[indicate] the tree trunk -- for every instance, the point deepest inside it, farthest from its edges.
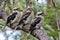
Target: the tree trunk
(48, 3)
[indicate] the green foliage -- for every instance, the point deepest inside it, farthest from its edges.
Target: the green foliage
(50, 20)
(51, 17)
(2, 22)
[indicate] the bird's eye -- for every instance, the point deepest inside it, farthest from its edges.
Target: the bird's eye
(39, 14)
(15, 12)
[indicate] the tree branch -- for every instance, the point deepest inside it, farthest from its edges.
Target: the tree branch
(3, 15)
(38, 33)
(57, 17)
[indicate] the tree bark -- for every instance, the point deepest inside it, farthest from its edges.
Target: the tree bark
(3, 14)
(48, 3)
(38, 33)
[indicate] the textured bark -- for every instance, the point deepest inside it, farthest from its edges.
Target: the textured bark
(48, 3)
(3, 15)
(38, 33)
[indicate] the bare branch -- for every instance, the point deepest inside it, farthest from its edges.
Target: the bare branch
(38, 33)
(57, 16)
(3, 15)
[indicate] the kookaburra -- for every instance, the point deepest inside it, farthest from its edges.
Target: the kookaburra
(29, 19)
(25, 16)
(14, 17)
(36, 23)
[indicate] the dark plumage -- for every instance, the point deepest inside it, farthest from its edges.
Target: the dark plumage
(24, 17)
(11, 17)
(36, 21)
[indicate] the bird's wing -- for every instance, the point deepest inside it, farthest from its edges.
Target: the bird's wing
(30, 18)
(36, 21)
(10, 17)
(25, 16)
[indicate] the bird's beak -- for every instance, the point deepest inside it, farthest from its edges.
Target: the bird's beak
(44, 15)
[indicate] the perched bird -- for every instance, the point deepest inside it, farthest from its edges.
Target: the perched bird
(18, 16)
(29, 19)
(12, 18)
(25, 16)
(36, 23)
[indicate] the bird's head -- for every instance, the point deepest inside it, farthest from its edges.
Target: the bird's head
(16, 10)
(40, 14)
(29, 10)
